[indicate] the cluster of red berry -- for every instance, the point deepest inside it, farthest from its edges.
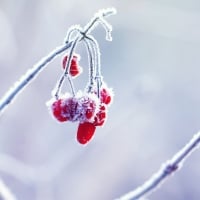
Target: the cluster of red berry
(87, 108)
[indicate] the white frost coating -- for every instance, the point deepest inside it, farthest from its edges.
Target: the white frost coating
(88, 102)
(82, 107)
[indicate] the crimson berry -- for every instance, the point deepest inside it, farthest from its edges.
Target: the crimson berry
(100, 117)
(57, 109)
(106, 95)
(90, 110)
(75, 69)
(85, 132)
(88, 107)
(70, 108)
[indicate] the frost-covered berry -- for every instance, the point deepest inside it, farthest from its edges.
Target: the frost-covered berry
(100, 117)
(58, 111)
(106, 95)
(65, 109)
(70, 108)
(75, 69)
(85, 132)
(88, 107)
(82, 107)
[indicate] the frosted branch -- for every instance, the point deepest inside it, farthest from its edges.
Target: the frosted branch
(30, 75)
(33, 72)
(165, 171)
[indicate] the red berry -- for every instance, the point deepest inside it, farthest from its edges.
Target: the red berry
(57, 109)
(106, 95)
(74, 60)
(85, 132)
(100, 117)
(75, 69)
(88, 107)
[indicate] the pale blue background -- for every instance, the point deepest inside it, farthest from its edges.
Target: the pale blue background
(153, 66)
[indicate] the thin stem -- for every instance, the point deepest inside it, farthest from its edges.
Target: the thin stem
(166, 169)
(71, 31)
(92, 63)
(98, 76)
(100, 14)
(67, 68)
(83, 34)
(29, 75)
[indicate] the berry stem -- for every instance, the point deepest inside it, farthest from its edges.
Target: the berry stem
(38, 67)
(67, 68)
(91, 56)
(98, 76)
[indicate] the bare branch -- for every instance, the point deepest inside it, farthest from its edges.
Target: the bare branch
(165, 171)
(31, 73)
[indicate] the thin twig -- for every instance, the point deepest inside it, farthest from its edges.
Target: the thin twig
(29, 75)
(166, 169)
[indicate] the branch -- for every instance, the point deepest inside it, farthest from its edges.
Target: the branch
(165, 171)
(29, 75)
(33, 72)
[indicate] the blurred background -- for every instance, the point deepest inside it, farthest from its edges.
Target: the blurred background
(153, 66)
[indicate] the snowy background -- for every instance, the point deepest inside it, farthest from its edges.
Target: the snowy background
(153, 66)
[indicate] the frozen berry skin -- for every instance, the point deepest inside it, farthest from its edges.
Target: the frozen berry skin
(74, 60)
(74, 69)
(90, 110)
(100, 117)
(88, 107)
(85, 132)
(57, 110)
(106, 95)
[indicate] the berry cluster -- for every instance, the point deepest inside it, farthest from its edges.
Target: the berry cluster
(88, 107)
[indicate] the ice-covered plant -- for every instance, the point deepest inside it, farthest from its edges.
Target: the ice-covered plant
(88, 106)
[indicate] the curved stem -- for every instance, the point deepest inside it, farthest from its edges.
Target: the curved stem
(67, 68)
(92, 63)
(98, 76)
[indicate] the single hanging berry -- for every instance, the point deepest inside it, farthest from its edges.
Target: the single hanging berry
(106, 95)
(75, 69)
(85, 132)
(58, 111)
